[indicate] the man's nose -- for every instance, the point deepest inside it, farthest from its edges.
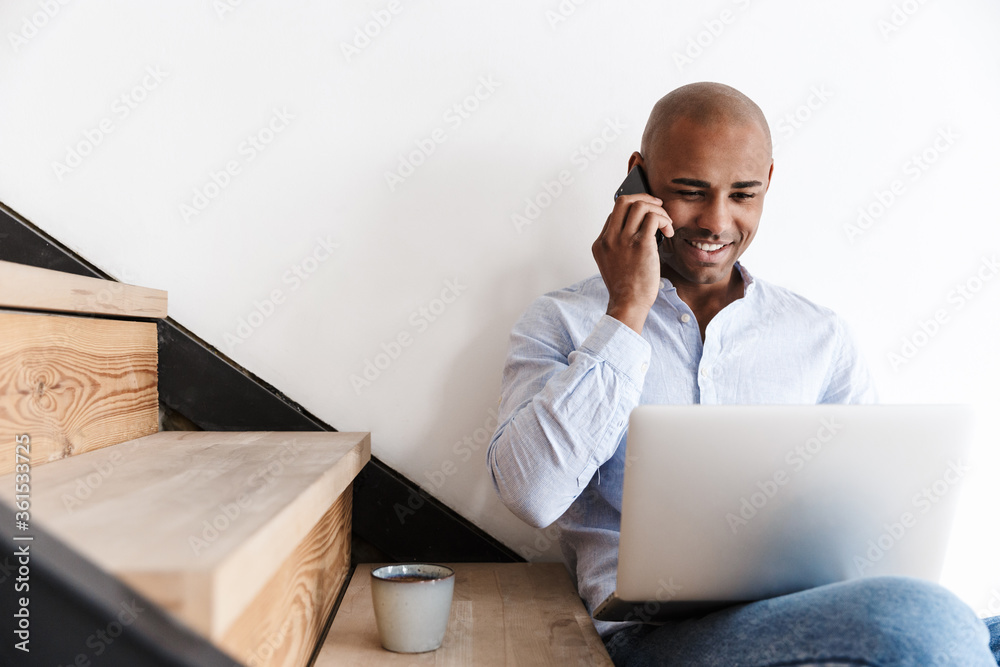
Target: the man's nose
(715, 218)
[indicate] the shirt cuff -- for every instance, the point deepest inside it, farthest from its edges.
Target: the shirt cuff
(617, 344)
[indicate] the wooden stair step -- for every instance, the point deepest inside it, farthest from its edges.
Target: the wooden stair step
(74, 384)
(501, 614)
(243, 536)
(34, 288)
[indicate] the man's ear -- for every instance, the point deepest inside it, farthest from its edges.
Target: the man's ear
(770, 173)
(635, 159)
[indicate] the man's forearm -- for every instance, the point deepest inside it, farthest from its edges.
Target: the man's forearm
(550, 443)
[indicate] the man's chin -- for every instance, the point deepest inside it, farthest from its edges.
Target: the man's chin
(697, 267)
(706, 275)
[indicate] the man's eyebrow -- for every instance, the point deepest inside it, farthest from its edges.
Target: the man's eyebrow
(695, 183)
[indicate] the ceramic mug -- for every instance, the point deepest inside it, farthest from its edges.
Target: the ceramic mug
(412, 604)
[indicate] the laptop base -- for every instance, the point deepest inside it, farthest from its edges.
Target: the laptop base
(652, 611)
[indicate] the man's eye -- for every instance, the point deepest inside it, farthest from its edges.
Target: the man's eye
(689, 193)
(743, 195)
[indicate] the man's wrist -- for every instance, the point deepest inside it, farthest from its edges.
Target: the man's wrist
(617, 345)
(634, 317)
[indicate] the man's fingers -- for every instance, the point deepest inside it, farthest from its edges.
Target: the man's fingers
(652, 218)
(626, 205)
(642, 196)
(632, 217)
(627, 200)
(666, 226)
(610, 232)
(607, 226)
(638, 214)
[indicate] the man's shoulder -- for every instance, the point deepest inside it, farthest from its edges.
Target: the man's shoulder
(582, 294)
(590, 287)
(579, 305)
(815, 328)
(782, 301)
(791, 300)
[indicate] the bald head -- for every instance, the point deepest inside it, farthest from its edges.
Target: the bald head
(704, 103)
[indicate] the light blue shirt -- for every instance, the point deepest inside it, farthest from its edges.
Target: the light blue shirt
(574, 374)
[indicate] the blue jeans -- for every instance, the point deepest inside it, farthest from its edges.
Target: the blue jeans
(878, 621)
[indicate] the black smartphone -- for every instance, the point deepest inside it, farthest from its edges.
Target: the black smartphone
(635, 183)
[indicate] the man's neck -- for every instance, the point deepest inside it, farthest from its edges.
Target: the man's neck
(705, 301)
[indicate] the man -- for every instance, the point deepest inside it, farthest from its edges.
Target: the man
(684, 322)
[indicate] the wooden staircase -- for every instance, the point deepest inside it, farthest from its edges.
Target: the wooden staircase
(243, 537)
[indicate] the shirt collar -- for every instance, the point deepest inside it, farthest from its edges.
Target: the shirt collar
(748, 282)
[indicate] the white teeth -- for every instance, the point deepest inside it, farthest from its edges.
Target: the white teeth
(708, 247)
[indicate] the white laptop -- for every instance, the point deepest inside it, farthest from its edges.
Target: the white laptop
(729, 504)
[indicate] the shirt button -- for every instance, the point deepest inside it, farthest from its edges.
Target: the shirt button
(663, 283)
(685, 318)
(705, 372)
(644, 367)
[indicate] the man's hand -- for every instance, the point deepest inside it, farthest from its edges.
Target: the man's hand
(627, 256)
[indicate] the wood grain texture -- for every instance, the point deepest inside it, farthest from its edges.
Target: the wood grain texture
(198, 521)
(74, 384)
(502, 614)
(34, 288)
(283, 624)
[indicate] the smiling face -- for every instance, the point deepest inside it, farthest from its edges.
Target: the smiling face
(712, 179)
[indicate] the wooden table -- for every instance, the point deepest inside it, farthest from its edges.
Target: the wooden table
(501, 614)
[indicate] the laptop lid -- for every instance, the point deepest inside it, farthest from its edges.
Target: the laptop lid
(727, 504)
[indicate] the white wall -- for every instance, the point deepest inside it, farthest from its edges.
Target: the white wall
(336, 123)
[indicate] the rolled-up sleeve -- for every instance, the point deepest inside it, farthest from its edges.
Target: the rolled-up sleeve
(563, 410)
